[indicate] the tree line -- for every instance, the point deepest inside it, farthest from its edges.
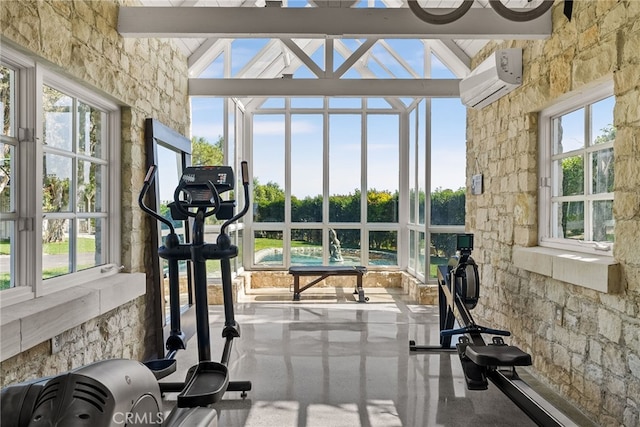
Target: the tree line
(447, 207)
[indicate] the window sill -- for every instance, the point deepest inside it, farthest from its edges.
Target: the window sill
(597, 272)
(26, 324)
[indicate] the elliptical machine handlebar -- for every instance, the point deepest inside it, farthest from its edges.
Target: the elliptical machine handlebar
(245, 184)
(148, 179)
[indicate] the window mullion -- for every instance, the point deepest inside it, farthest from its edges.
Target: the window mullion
(286, 231)
(364, 195)
(588, 203)
(73, 200)
(34, 181)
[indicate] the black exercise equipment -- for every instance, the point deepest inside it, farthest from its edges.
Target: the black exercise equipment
(127, 392)
(202, 186)
(458, 293)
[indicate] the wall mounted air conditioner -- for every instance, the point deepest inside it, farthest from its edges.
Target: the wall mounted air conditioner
(495, 77)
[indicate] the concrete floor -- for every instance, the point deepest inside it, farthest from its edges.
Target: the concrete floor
(329, 361)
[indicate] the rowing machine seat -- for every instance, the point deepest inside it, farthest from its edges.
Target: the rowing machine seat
(497, 355)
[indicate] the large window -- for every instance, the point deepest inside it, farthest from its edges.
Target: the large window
(217, 136)
(437, 176)
(59, 207)
(577, 171)
(345, 145)
(326, 183)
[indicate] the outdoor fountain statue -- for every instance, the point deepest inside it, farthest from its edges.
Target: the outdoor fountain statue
(335, 255)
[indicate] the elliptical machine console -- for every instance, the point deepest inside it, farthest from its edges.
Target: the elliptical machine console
(127, 392)
(195, 183)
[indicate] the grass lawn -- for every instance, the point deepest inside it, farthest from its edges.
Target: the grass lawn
(5, 278)
(85, 245)
(434, 262)
(5, 281)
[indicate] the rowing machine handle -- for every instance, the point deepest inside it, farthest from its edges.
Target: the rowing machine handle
(474, 329)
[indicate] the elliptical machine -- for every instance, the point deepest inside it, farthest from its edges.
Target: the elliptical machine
(201, 186)
(127, 392)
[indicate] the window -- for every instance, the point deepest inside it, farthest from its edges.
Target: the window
(309, 178)
(58, 195)
(437, 144)
(73, 184)
(8, 144)
(577, 171)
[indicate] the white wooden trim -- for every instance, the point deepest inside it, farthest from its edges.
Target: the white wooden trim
(368, 87)
(23, 326)
(268, 22)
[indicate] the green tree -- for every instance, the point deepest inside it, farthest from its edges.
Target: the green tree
(308, 209)
(55, 191)
(203, 153)
(268, 201)
(573, 175)
(603, 175)
(345, 208)
(382, 206)
(5, 159)
(55, 196)
(447, 208)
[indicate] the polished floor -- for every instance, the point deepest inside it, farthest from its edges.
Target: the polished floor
(329, 361)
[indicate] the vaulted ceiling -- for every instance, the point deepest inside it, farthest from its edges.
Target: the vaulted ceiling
(326, 38)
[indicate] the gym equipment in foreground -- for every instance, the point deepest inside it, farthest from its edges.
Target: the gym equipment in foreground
(127, 392)
(458, 294)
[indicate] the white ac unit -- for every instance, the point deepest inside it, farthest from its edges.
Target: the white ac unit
(495, 77)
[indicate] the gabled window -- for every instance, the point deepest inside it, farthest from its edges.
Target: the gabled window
(577, 172)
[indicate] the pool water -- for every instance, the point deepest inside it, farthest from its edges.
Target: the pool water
(275, 258)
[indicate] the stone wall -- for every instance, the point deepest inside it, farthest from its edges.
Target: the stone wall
(149, 78)
(115, 334)
(584, 343)
(282, 279)
(419, 291)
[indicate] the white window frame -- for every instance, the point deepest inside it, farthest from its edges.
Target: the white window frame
(571, 103)
(23, 255)
(325, 225)
(28, 283)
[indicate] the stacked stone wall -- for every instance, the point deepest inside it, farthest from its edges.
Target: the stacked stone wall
(116, 333)
(148, 78)
(585, 344)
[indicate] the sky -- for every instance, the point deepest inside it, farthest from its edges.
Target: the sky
(573, 124)
(447, 128)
